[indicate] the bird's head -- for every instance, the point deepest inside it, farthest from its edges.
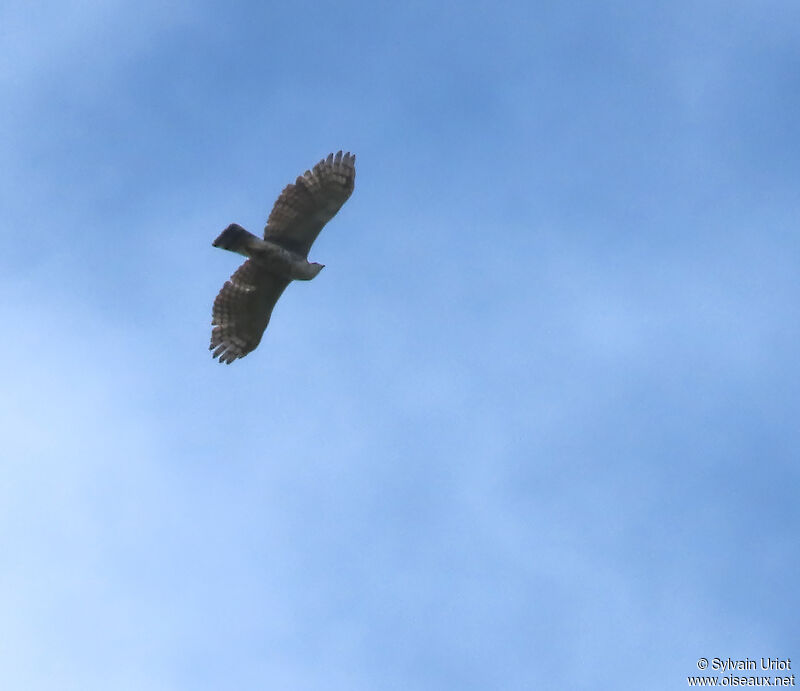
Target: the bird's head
(314, 268)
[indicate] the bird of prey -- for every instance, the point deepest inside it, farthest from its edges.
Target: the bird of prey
(244, 305)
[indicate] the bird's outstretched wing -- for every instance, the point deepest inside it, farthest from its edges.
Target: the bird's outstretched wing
(305, 206)
(242, 310)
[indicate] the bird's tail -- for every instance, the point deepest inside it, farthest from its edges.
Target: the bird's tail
(237, 239)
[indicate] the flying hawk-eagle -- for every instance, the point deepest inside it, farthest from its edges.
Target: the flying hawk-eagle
(244, 305)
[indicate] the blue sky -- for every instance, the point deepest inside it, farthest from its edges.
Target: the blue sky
(534, 426)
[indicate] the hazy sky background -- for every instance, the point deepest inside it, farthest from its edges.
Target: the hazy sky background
(534, 426)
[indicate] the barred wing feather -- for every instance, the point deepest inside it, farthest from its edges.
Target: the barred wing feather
(305, 206)
(242, 311)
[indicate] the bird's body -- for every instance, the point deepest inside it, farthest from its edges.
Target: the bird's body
(244, 305)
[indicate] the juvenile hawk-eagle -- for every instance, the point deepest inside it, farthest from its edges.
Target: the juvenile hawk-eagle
(244, 305)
